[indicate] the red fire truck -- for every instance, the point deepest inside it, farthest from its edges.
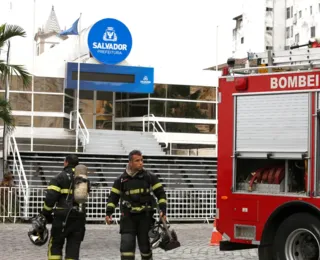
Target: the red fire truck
(268, 191)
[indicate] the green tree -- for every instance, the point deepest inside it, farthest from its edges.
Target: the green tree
(7, 32)
(7, 70)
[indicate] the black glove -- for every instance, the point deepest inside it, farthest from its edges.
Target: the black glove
(48, 215)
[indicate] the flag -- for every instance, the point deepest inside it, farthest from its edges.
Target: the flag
(73, 30)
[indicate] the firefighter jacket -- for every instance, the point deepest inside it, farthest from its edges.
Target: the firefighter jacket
(135, 192)
(59, 197)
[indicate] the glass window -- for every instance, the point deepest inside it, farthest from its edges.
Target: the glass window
(20, 101)
(160, 91)
(68, 104)
(287, 32)
(181, 92)
(48, 103)
(188, 128)
(120, 95)
(129, 126)
(16, 84)
(22, 121)
(46, 84)
(132, 108)
(313, 31)
(70, 92)
(104, 110)
(45, 121)
(163, 108)
(184, 92)
(86, 111)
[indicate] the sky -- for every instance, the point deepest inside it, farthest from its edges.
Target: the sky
(166, 33)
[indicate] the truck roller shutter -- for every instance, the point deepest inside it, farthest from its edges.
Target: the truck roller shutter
(274, 125)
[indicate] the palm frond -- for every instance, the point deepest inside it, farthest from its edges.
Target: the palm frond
(5, 114)
(10, 70)
(8, 31)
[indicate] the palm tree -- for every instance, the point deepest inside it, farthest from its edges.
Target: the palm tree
(7, 32)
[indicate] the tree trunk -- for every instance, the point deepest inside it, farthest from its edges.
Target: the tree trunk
(5, 137)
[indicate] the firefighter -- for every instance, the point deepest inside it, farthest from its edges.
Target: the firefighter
(134, 189)
(68, 220)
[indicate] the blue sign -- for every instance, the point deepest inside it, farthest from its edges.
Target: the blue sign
(109, 41)
(111, 78)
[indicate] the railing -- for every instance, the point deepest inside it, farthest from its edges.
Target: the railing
(154, 123)
(83, 129)
(183, 204)
(18, 170)
(212, 152)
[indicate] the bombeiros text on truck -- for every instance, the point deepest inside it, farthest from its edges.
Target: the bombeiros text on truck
(268, 192)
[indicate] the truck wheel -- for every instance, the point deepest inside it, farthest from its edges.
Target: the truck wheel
(265, 253)
(298, 238)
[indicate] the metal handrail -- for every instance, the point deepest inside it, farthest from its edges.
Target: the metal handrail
(18, 166)
(154, 121)
(83, 130)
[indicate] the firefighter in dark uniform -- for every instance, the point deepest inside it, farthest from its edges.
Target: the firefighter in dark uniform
(137, 206)
(68, 222)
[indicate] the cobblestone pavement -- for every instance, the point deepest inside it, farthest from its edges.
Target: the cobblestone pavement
(102, 243)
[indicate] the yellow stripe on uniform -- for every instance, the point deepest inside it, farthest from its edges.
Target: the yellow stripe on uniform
(66, 191)
(127, 253)
(162, 201)
(114, 190)
(138, 209)
(55, 188)
(46, 207)
(111, 205)
(58, 189)
(156, 186)
(137, 191)
(53, 257)
(149, 254)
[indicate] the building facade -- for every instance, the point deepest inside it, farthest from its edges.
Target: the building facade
(274, 25)
(183, 102)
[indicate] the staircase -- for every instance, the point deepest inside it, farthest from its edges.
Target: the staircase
(173, 171)
(189, 181)
(122, 142)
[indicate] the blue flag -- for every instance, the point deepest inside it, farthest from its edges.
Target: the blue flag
(73, 30)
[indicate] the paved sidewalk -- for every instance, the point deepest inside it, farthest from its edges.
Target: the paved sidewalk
(102, 243)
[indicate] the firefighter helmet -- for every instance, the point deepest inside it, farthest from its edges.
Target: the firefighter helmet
(38, 233)
(161, 236)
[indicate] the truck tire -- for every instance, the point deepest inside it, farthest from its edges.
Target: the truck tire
(298, 238)
(265, 253)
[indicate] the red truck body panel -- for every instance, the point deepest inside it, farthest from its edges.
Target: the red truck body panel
(249, 208)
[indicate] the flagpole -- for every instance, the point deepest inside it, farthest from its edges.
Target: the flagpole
(217, 91)
(78, 87)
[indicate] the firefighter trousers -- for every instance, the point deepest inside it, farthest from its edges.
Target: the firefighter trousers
(73, 233)
(132, 226)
